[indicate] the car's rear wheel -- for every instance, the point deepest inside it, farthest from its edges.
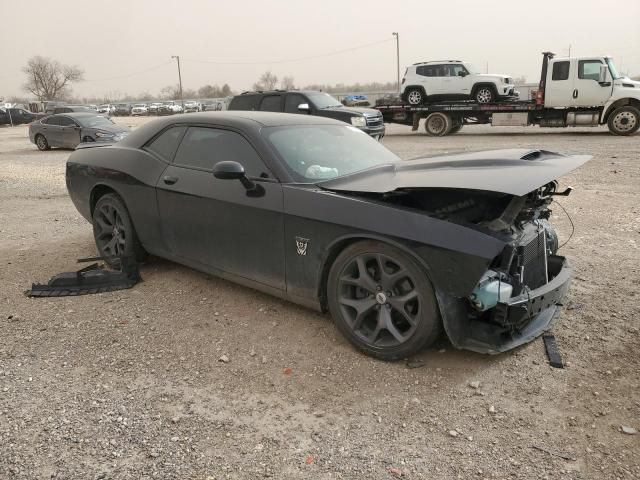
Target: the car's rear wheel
(113, 231)
(485, 94)
(415, 96)
(438, 124)
(41, 142)
(624, 120)
(382, 301)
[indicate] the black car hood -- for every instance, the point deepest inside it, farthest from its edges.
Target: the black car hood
(513, 171)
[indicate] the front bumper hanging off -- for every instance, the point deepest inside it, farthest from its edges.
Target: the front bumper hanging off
(515, 322)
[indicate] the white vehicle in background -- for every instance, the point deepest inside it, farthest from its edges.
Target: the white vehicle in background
(139, 109)
(427, 82)
(106, 108)
(190, 106)
(573, 92)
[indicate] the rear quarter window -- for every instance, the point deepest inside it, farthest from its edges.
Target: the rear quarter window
(166, 144)
(560, 71)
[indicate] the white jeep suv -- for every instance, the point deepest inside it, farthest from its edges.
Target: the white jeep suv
(453, 80)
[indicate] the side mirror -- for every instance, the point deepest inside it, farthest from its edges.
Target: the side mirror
(602, 74)
(462, 73)
(230, 170)
(304, 107)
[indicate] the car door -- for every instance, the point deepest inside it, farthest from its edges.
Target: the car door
(559, 85)
(69, 132)
(587, 91)
(458, 83)
(52, 130)
(217, 223)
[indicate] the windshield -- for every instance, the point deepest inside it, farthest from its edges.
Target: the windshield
(612, 68)
(472, 68)
(323, 100)
(319, 152)
(94, 122)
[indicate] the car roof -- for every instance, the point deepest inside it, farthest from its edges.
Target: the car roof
(76, 115)
(271, 92)
(438, 61)
(242, 120)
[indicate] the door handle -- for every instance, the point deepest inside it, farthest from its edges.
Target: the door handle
(169, 180)
(575, 93)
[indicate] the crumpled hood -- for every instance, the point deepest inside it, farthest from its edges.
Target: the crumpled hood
(512, 171)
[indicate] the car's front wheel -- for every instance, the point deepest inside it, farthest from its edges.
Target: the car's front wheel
(113, 231)
(41, 142)
(382, 301)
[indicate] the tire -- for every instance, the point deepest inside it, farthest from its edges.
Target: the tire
(388, 313)
(624, 120)
(415, 96)
(41, 143)
(485, 94)
(114, 232)
(438, 124)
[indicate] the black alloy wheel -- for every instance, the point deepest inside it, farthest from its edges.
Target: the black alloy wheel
(382, 301)
(41, 142)
(113, 231)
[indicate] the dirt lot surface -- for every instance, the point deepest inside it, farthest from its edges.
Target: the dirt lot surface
(129, 385)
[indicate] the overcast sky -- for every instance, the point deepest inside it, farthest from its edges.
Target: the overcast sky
(115, 41)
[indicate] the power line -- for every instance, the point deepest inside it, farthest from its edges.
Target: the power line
(131, 74)
(291, 60)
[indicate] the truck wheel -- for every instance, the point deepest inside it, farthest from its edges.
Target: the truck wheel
(438, 124)
(484, 94)
(624, 120)
(415, 96)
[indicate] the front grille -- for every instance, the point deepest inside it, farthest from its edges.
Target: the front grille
(533, 259)
(374, 121)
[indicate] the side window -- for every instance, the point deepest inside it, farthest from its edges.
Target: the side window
(166, 144)
(291, 103)
(204, 147)
(455, 69)
(243, 102)
(589, 69)
(66, 122)
(51, 121)
(421, 70)
(560, 71)
(271, 103)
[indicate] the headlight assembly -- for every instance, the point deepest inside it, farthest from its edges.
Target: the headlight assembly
(358, 121)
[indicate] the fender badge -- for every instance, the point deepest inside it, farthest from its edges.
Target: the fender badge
(301, 245)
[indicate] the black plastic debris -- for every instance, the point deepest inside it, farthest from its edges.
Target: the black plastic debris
(91, 279)
(550, 345)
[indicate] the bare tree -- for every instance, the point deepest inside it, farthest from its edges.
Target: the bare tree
(48, 79)
(267, 81)
(287, 83)
(170, 92)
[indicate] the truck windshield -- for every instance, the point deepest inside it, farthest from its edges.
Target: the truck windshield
(612, 68)
(323, 100)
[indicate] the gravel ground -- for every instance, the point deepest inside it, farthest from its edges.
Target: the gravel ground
(129, 385)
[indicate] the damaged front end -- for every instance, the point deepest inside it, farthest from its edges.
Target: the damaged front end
(519, 296)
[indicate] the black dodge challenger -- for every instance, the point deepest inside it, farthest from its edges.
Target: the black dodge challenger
(315, 211)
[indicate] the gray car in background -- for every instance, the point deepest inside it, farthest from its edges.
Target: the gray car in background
(68, 130)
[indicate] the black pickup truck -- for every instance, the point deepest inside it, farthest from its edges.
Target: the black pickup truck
(311, 103)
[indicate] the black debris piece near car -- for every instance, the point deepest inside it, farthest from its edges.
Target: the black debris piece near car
(313, 103)
(68, 130)
(312, 210)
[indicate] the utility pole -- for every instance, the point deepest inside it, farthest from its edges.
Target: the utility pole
(177, 57)
(397, 35)
(569, 50)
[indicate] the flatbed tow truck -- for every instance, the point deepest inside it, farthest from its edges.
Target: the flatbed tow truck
(573, 92)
